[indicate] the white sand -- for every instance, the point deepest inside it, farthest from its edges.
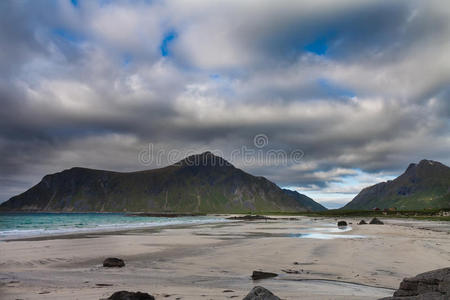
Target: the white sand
(200, 262)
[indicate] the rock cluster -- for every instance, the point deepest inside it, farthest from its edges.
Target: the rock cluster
(113, 262)
(362, 222)
(257, 293)
(432, 285)
(260, 293)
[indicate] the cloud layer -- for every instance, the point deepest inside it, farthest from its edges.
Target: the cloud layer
(362, 88)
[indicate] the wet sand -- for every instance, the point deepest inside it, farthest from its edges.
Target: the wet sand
(315, 260)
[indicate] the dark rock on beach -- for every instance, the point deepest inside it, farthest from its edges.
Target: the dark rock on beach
(260, 293)
(432, 285)
(376, 221)
(262, 275)
(113, 262)
(125, 295)
(342, 224)
(362, 222)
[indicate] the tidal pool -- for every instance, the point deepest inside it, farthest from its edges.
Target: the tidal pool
(327, 236)
(328, 232)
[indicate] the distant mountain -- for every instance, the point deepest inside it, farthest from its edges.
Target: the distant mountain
(199, 183)
(423, 185)
(307, 202)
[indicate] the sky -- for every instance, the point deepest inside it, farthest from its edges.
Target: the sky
(345, 93)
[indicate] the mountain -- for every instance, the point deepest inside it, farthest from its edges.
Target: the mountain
(199, 183)
(307, 202)
(423, 185)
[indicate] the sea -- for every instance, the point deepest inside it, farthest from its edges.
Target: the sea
(23, 225)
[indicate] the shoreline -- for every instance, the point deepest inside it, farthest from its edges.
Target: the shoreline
(205, 259)
(227, 218)
(149, 229)
(77, 235)
(105, 231)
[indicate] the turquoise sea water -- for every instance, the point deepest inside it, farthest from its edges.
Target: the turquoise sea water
(19, 225)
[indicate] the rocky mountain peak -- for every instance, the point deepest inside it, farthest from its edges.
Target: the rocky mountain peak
(429, 163)
(205, 159)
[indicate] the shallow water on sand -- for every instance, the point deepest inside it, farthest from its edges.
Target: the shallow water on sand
(306, 229)
(21, 225)
(327, 232)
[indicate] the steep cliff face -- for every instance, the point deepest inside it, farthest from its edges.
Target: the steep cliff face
(423, 185)
(199, 183)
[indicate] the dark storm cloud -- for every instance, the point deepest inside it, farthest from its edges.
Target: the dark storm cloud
(345, 32)
(361, 87)
(19, 42)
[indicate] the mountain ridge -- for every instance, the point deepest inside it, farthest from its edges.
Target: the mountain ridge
(199, 183)
(422, 185)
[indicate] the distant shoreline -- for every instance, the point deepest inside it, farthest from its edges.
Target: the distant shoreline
(87, 234)
(41, 225)
(226, 218)
(438, 214)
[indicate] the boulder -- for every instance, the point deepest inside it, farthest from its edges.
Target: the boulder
(362, 222)
(113, 262)
(376, 221)
(260, 293)
(342, 224)
(432, 285)
(125, 295)
(262, 275)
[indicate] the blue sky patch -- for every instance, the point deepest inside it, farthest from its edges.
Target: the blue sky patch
(169, 37)
(67, 35)
(126, 59)
(318, 47)
(74, 2)
(333, 89)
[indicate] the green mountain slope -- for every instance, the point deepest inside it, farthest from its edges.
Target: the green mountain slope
(423, 185)
(199, 183)
(307, 202)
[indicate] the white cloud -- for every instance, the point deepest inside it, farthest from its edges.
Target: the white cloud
(93, 77)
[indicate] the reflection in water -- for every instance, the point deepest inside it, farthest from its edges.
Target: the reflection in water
(326, 233)
(332, 229)
(326, 236)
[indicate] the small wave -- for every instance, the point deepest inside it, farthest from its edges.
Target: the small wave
(156, 222)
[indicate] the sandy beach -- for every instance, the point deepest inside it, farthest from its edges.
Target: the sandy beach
(313, 258)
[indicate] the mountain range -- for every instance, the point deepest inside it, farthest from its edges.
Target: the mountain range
(205, 183)
(422, 185)
(200, 183)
